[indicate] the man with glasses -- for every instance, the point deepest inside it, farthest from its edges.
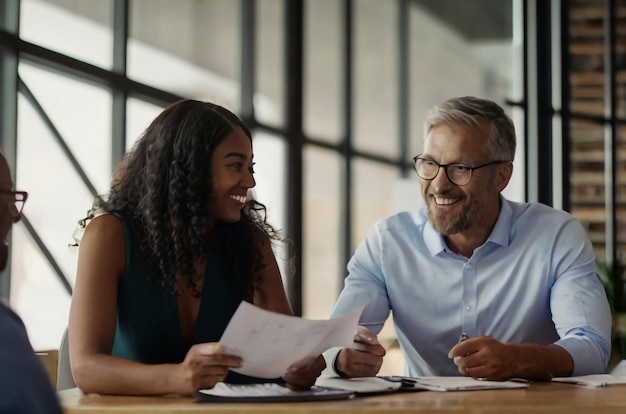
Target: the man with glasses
(24, 384)
(478, 285)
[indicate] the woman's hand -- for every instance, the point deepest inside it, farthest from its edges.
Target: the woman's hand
(205, 365)
(302, 378)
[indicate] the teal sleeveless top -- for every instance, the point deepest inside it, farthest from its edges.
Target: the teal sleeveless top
(148, 324)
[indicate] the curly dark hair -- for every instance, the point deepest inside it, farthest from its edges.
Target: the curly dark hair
(163, 187)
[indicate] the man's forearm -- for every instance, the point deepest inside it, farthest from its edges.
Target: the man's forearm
(542, 362)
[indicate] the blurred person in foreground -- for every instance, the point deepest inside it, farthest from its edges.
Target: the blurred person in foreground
(167, 258)
(518, 279)
(24, 383)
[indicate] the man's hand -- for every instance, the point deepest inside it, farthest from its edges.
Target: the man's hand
(303, 378)
(364, 359)
(485, 357)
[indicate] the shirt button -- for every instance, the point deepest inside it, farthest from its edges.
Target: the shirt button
(468, 307)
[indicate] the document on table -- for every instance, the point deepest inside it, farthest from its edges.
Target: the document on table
(269, 342)
(361, 385)
(463, 384)
(598, 380)
(223, 392)
(368, 385)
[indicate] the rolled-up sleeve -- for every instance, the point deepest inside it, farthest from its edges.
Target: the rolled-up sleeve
(364, 285)
(580, 308)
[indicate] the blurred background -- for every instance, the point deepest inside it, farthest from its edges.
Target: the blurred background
(335, 93)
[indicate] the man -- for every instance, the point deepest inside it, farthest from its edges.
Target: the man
(517, 280)
(24, 384)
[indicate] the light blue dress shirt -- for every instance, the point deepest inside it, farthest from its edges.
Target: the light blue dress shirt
(533, 281)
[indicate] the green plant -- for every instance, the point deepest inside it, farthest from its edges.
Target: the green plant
(612, 277)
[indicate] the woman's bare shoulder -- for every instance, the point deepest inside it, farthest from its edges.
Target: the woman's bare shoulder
(103, 247)
(105, 227)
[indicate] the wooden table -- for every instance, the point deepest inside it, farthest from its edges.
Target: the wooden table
(538, 398)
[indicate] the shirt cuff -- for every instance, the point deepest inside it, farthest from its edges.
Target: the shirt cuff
(331, 357)
(588, 358)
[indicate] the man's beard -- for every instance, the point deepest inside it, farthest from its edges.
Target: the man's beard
(470, 214)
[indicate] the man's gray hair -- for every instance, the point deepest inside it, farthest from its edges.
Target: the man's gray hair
(469, 110)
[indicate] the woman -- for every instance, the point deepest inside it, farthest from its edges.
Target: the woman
(163, 270)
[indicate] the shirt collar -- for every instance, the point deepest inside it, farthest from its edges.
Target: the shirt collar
(499, 235)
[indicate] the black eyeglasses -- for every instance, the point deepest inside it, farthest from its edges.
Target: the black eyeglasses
(18, 198)
(458, 174)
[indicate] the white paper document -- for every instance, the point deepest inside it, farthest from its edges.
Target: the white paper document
(270, 342)
(223, 392)
(597, 380)
(367, 385)
(464, 384)
(361, 385)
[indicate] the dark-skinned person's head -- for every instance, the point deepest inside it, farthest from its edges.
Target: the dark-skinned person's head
(11, 203)
(184, 186)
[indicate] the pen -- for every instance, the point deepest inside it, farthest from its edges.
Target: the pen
(463, 337)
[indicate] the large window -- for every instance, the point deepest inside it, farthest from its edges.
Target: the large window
(335, 92)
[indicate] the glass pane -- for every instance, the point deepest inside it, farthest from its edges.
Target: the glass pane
(323, 84)
(375, 96)
(270, 74)
(86, 129)
(458, 48)
(80, 29)
(10, 9)
(516, 188)
(140, 116)
(587, 180)
(270, 155)
(36, 293)
(57, 199)
(187, 47)
(372, 195)
(323, 270)
(271, 176)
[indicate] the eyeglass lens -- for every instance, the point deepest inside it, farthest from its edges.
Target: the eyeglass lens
(459, 174)
(20, 199)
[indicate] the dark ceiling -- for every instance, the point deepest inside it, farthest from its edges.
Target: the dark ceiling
(474, 19)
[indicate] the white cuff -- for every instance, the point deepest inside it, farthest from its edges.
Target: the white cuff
(330, 356)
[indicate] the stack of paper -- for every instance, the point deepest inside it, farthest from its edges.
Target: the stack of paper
(598, 380)
(364, 385)
(396, 383)
(464, 384)
(223, 392)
